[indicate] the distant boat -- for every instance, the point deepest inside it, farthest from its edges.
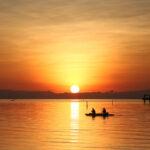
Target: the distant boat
(146, 97)
(99, 114)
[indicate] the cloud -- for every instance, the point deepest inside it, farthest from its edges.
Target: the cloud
(63, 11)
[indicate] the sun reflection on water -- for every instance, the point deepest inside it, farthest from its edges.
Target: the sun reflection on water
(74, 121)
(74, 110)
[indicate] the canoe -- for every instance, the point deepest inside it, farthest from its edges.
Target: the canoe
(99, 114)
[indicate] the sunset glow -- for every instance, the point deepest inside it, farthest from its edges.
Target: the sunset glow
(74, 74)
(51, 45)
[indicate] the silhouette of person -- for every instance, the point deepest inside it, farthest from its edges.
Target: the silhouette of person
(104, 110)
(93, 111)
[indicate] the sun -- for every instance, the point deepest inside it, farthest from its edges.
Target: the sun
(74, 89)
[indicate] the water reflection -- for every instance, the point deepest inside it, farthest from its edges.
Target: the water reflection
(74, 123)
(74, 111)
(62, 125)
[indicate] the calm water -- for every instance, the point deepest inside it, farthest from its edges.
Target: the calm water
(62, 125)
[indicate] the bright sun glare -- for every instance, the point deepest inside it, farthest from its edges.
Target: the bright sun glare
(74, 89)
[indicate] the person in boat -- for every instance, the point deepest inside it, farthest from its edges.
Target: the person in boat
(93, 111)
(104, 110)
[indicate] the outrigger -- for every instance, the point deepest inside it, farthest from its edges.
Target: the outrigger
(99, 114)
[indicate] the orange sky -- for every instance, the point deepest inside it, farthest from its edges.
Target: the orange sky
(53, 44)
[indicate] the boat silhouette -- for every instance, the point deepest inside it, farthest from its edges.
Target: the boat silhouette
(99, 114)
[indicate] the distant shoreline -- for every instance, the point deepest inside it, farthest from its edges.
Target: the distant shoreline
(10, 94)
(74, 98)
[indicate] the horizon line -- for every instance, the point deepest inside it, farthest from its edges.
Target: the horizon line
(73, 93)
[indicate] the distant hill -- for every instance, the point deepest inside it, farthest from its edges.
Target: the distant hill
(11, 94)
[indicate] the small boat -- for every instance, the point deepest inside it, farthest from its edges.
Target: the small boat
(99, 114)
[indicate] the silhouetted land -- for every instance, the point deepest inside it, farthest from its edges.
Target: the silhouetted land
(11, 94)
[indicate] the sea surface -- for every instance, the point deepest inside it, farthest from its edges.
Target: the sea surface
(62, 125)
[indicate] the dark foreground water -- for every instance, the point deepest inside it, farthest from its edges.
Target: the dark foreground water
(62, 125)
